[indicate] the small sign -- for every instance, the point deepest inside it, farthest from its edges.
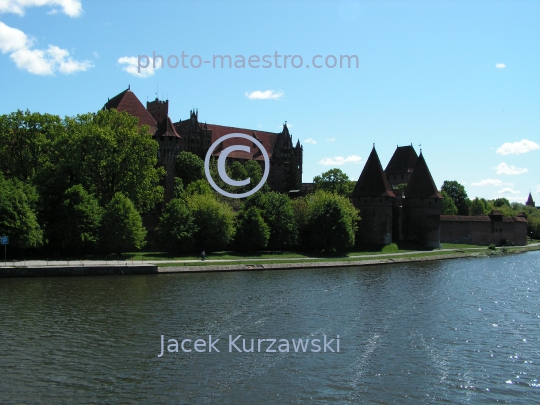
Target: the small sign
(5, 240)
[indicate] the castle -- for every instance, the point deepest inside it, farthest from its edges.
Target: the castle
(190, 135)
(391, 213)
(402, 203)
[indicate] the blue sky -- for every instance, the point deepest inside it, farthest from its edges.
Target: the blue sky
(461, 78)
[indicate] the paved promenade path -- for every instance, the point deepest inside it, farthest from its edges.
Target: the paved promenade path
(209, 260)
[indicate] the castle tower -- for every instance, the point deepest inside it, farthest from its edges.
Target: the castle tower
(169, 143)
(530, 201)
(401, 165)
(158, 109)
(374, 197)
(422, 206)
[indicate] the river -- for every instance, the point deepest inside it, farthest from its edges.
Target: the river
(456, 331)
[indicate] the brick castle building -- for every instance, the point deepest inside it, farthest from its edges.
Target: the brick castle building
(390, 213)
(190, 135)
(402, 203)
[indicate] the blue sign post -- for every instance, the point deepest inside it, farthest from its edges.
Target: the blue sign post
(5, 241)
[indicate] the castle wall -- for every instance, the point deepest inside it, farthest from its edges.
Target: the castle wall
(422, 221)
(481, 230)
(376, 224)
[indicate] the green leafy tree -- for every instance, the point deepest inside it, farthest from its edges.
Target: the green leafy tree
(501, 202)
(477, 207)
(252, 232)
(79, 220)
(25, 142)
(277, 212)
(18, 219)
(447, 206)
(214, 220)
(108, 153)
(457, 193)
(199, 187)
(122, 227)
(254, 172)
(176, 229)
(189, 167)
(333, 181)
(332, 222)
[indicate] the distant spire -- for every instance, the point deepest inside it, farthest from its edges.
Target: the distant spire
(129, 86)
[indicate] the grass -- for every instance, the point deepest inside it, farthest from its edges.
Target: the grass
(230, 257)
(304, 260)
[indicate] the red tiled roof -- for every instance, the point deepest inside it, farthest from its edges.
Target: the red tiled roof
(167, 129)
(268, 140)
(421, 184)
(403, 160)
(128, 101)
(372, 181)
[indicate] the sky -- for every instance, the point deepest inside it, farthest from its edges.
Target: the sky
(458, 79)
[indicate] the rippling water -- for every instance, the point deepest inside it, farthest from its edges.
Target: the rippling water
(459, 331)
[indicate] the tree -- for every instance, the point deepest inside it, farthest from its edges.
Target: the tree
(17, 214)
(25, 142)
(277, 212)
(189, 167)
(333, 181)
(122, 227)
(477, 207)
(447, 206)
(79, 220)
(214, 220)
(252, 233)
(199, 187)
(500, 202)
(332, 222)
(176, 229)
(108, 153)
(458, 194)
(254, 172)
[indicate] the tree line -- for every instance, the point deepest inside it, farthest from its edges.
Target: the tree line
(82, 184)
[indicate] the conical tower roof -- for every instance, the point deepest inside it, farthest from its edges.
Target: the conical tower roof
(128, 101)
(372, 181)
(530, 201)
(403, 160)
(421, 184)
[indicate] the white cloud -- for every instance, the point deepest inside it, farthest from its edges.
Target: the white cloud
(21, 47)
(507, 190)
(37, 61)
(12, 39)
(503, 168)
(72, 8)
(538, 188)
(132, 66)
(340, 160)
(500, 65)
(488, 182)
(517, 148)
(264, 95)
(330, 139)
(310, 140)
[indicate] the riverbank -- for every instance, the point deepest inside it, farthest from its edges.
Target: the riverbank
(92, 268)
